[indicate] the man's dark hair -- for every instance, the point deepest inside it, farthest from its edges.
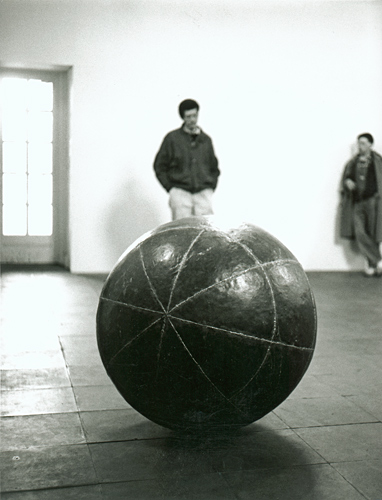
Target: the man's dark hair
(367, 136)
(186, 105)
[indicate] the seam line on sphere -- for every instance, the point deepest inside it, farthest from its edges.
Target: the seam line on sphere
(242, 334)
(233, 276)
(203, 372)
(181, 228)
(149, 281)
(199, 292)
(164, 319)
(133, 339)
(256, 259)
(275, 329)
(255, 374)
(314, 307)
(258, 262)
(182, 264)
(131, 306)
(141, 243)
(280, 261)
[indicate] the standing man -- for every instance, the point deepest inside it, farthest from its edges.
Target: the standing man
(362, 203)
(186, 165)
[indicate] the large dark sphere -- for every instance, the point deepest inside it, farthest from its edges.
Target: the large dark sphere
(203, 327)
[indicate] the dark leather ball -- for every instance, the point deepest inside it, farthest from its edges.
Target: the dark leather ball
(201, 327)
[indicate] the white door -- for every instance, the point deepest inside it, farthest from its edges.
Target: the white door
(31, 154)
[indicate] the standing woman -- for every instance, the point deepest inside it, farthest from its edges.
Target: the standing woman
(361, 216)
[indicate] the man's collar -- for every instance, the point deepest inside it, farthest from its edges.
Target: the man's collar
(188, 131)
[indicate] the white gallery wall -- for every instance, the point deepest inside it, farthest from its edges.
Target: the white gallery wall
(285, 87)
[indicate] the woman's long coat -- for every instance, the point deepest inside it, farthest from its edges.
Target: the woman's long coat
(347, 203)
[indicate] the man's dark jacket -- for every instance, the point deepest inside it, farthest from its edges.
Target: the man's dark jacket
(347, 202)
(187, 162)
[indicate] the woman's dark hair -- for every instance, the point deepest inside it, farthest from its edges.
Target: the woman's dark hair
(367, 136)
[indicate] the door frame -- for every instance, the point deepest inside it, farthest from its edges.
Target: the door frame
(38, 250)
